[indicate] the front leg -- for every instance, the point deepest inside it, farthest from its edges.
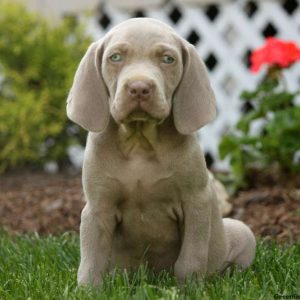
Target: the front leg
(193, 256)
(96, 234)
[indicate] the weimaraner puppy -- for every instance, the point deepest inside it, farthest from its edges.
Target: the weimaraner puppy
(142, 92)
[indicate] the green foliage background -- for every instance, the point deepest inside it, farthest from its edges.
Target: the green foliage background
(37, 65)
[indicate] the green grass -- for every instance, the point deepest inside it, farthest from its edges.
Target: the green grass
(32, 267)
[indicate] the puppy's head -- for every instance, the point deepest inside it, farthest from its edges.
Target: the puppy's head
(140, 71)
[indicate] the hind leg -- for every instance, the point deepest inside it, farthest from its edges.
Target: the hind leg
(241, 244)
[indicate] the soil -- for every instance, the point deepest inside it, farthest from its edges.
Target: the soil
(40, 202)
(51, 204)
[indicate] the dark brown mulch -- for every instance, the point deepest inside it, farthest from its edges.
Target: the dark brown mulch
(52, 204)
(40, 202)
(270, 212)
(271, 206)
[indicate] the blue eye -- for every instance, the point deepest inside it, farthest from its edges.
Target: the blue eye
(116, 57)
(167, 59)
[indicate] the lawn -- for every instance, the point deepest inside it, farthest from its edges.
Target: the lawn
(33, 267)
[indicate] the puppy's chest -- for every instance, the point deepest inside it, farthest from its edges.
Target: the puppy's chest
(148, 213)
(142, 175)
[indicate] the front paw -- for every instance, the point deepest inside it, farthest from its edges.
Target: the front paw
(88, 277)
(185, 270)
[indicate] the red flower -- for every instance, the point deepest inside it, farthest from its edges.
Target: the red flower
(275, 52)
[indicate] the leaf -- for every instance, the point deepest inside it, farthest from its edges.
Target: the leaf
(245, 121)
(228, 144)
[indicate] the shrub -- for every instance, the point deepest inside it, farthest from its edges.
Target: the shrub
(37, 65)
(277, 141)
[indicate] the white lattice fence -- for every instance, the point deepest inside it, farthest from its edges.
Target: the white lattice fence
(224, 36)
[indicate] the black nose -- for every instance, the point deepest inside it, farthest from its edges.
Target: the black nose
(139, 89)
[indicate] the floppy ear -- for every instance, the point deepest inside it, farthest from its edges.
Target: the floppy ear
(194, 101)
(87, 103)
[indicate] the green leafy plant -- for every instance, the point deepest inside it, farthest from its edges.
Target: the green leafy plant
(37, 64)
(276, 143)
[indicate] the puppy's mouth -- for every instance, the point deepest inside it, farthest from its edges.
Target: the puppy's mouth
(140, 117)
(137, 116)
